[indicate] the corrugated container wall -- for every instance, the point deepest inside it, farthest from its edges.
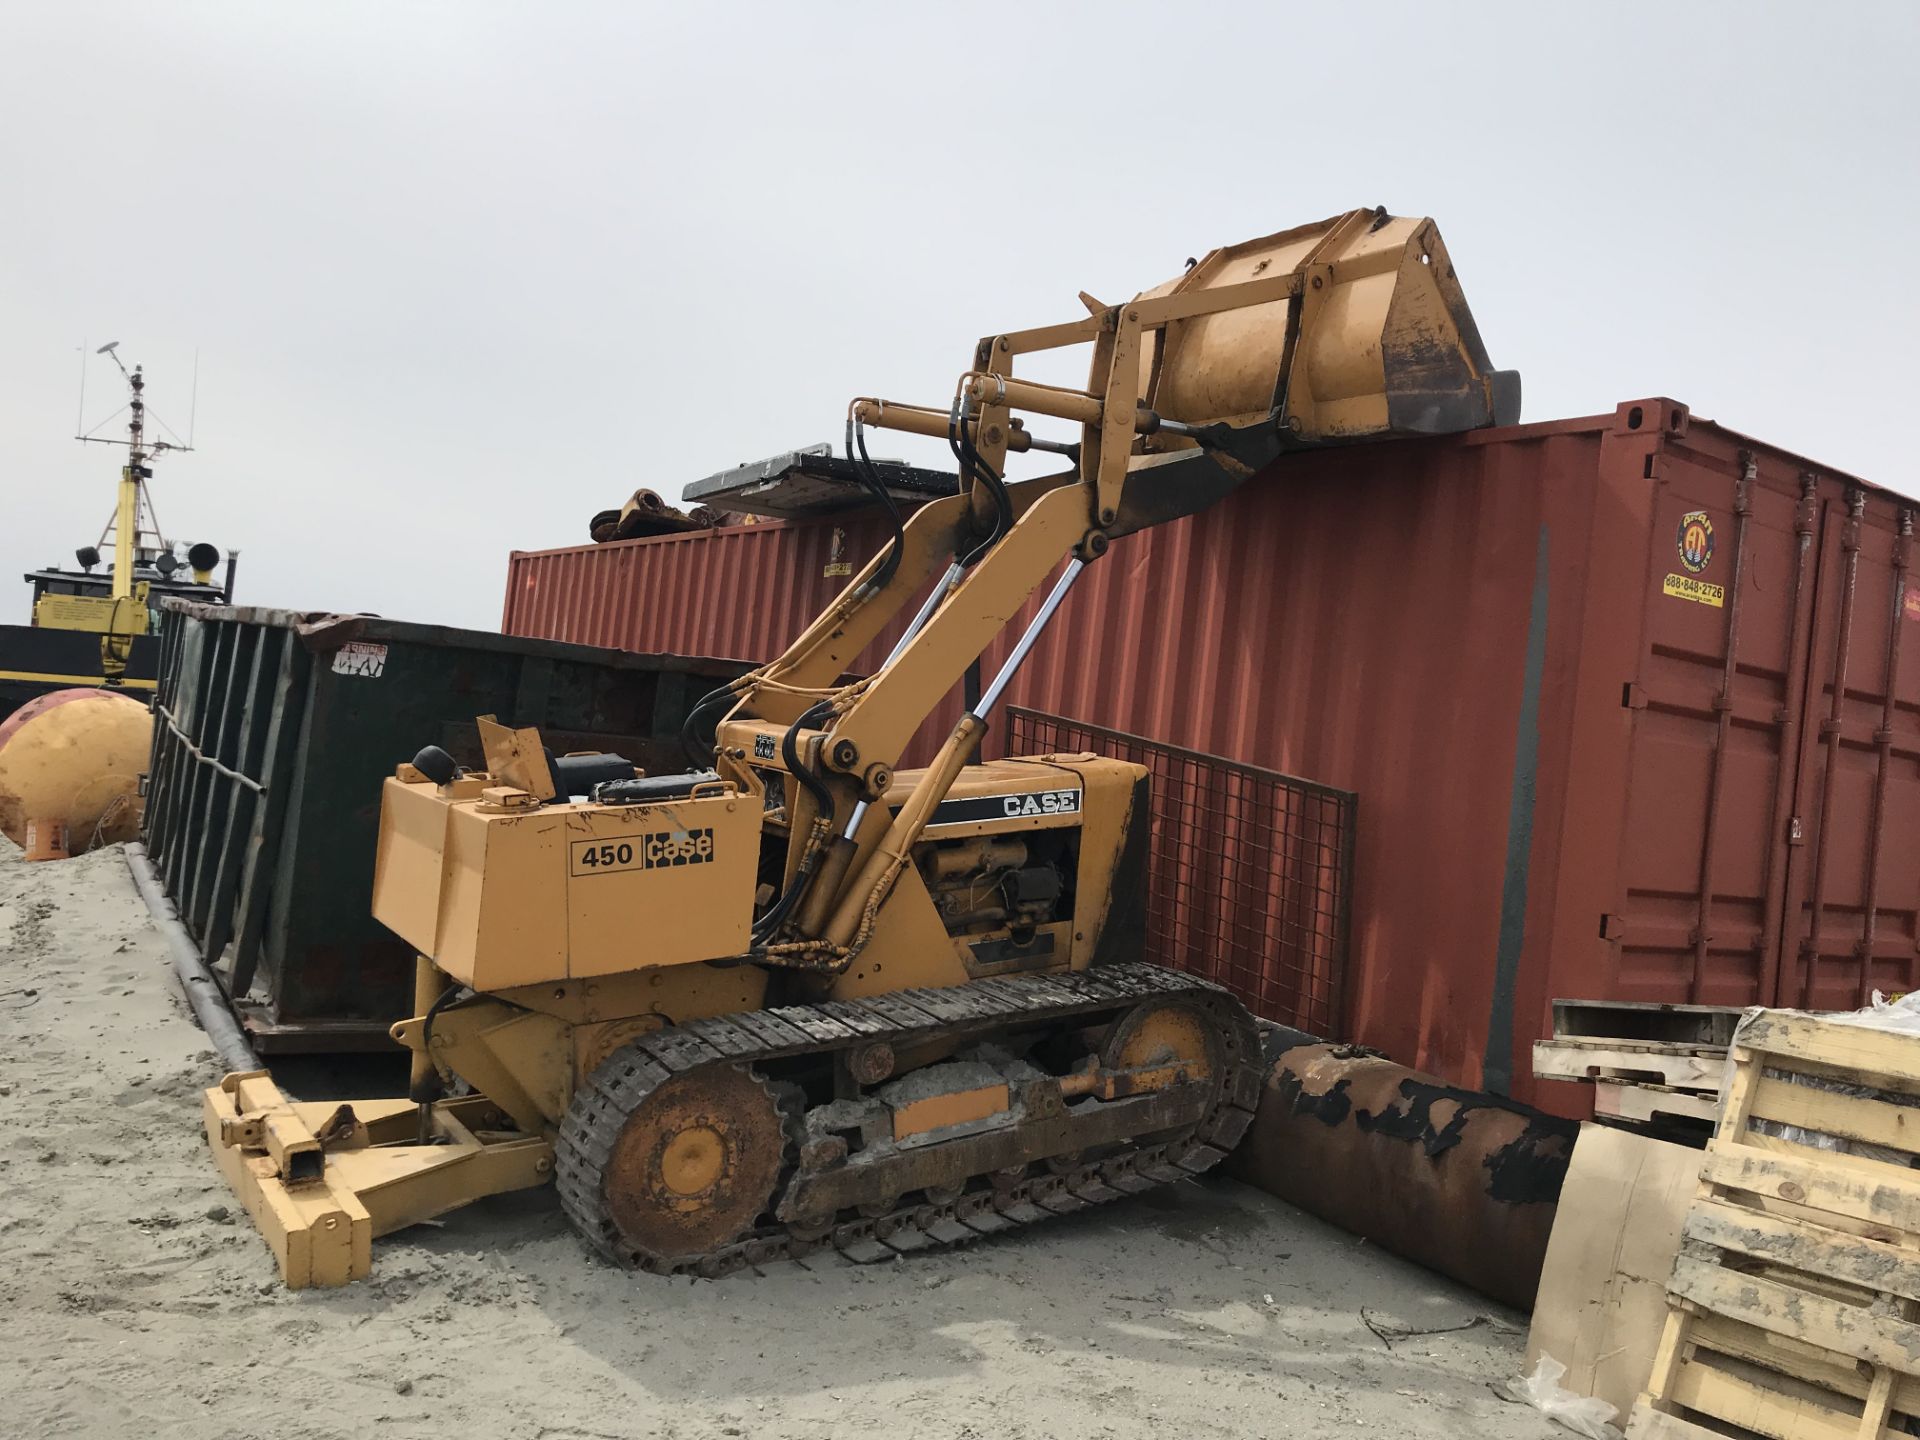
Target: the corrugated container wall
(1630, 703)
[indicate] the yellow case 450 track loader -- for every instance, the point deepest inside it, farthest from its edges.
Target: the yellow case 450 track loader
(796, 997)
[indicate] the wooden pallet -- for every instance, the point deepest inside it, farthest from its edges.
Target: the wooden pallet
(1687, 1066)
(1653, 1104)
(1641, 1021)
(1795, 1299)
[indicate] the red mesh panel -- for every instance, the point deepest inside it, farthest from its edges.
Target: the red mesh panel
(1249, 871)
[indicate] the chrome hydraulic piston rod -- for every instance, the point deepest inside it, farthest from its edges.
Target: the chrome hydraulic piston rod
(862, 900)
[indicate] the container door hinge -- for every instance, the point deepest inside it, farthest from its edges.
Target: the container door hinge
(1612, 927)
(1632, 696)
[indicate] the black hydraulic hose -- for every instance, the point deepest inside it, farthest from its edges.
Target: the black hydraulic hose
(1003, 503)
(689, 736)
(783, 907)
(796, 767)
(823, 802)
(445, 998)
(869, 475)
(973, 466)
(430, 1088)
(1003, 520)
(891, 564)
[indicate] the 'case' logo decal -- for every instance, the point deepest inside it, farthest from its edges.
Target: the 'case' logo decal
(678, 847)
(1027, 804)
(657, 851)
(1042, 802)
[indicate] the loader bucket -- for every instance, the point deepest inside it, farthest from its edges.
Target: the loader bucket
(1376, 340)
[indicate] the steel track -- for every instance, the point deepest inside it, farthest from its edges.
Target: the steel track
(600, 1109)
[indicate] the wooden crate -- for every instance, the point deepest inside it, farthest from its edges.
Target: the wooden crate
(1795, 1299)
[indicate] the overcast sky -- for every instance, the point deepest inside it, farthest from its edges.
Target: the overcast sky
(461, 274)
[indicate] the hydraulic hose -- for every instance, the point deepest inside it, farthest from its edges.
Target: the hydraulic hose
(424, 1086)
(974, 467)
(445, 998)
(796, 767)
(870, 477)
(776, 916)
(782, 906)
(689, 728)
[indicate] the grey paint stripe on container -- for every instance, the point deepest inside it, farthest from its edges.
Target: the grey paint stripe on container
(1496, 1073)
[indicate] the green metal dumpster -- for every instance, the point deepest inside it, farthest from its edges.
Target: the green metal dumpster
(273, 730)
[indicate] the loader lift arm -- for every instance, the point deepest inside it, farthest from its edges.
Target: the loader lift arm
(1345, 330)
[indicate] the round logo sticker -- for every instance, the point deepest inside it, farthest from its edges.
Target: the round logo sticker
(1695, 541)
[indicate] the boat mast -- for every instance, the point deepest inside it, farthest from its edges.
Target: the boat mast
(132, 499)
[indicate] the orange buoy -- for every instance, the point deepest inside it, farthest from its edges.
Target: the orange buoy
(70, 766)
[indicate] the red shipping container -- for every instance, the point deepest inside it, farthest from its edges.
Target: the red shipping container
(1629, 701)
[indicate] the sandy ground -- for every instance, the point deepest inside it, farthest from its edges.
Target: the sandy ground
(135, 1300)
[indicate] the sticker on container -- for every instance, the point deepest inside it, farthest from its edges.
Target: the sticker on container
(359, 657)
(1911, 604)
(1685, 587)
(837, 563)
(1695, 541)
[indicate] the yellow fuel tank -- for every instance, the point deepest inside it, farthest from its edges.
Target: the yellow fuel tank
(499, 891)
(70, 762)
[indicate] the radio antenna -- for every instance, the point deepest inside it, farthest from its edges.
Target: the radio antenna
(80, 420)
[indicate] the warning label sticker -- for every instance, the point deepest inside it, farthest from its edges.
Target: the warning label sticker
(359, 657)
(837, 563)
(1685, 587)
(1910, 602)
